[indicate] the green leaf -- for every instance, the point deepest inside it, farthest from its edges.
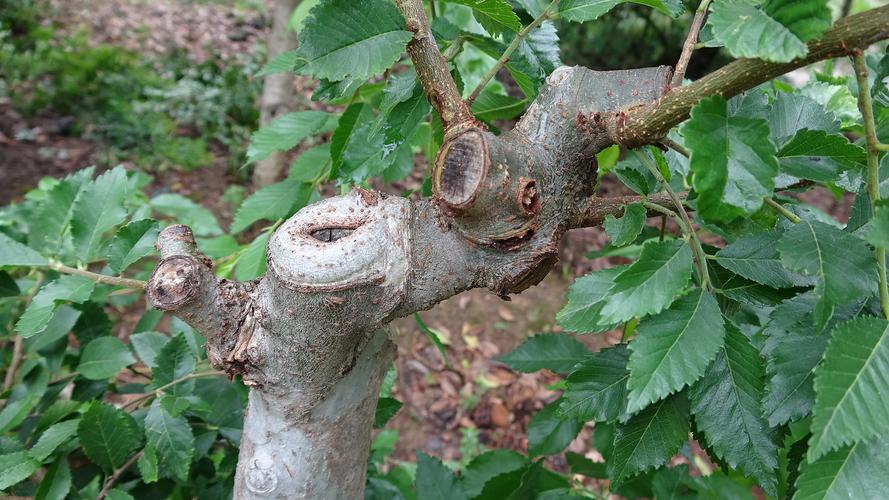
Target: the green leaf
(309, 165)
(103, 357)
(556, 352)
(284, 62)
(844, 265)
(435, 481)
(56, 484)
(819, 156)
(252, 263)
(536, 57)
(597, 388)
(791, 113)
(747, 31)
(495, 16)
(147, 346)
(650, 438)
(807, 19)
(789, 367)
(651, 283)
(98, 209)
(172, 439)
(357, 155)
(67, 288)
(108, 435)
(272, 202)
(386, 409)
(15, 468)
(587, 10)
(434, 336)
(285, 132)
(8, 286)
(488, 465)
(13, 253)
(756, 258)
(549, 432)
(857, 471)
(490, 106)
(131, 243)
(878, 228)
(351, 38)
(49, 229)
(850, 405)
(726, 406)
(624, 231)
(147, 465)
(674, 348)
(732, 160)
(586, 298)
(174, 361)
(201, 221)
(54, 437)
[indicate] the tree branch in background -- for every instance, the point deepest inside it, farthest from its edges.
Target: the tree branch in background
(690, 42)
(432, 69)
(647, 124)
(504, 58)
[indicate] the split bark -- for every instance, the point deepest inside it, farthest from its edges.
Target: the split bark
(310, 337)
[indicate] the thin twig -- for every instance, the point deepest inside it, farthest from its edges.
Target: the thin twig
(18, 352)
(777, 207)
(156, 392)
(873, 175)
(115, 476)
(690, 42)
(98, 278)
(454, 48)
(683, 219)
(504, 58)
(675, 146)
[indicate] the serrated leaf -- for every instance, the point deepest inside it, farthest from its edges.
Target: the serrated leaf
(624, 231)
(351, 38)
(103, 357)
(490, 106)
(285, 132)
(147, 345)
(131, 243)
(536, 57)
(49, 229)
(435, 481)
(16, 467)
(252, 263)
(284, 62)
(650, 438)
(53, 437)
(844, 265)
(67, 288)
(726, 406)
(790, 113)
(586, 298)
(807, 19)
(147, 465)
(549, 431)
(849, 384)
(218, 247)
(96, 210)
(673, 348)
(747, 31)
(878, 227)
(857, 471)
(556, 352)
(172, 439)
(488, 465)
(201, 221)
(837, 99)
(732, 160)
(357, 155)
(818, 156)
(495, 16)
(108, 435)
(789, 368)
(597, 388)
(756, 258)
(272, 202)
(13, 253)
(56, 484)
(174, 361)
(386, 409)
(651, 283)
(588, 10)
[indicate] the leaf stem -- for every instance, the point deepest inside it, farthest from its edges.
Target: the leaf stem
(454, 48)
(675, 146)
(683, 219)
(504, 58)
(115, 476)
(777, 207)
(873, 174)
(156, 392)
(98, 278)
(691, 42)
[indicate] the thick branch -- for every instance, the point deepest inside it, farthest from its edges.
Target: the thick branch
(432, 69)
(647, 124)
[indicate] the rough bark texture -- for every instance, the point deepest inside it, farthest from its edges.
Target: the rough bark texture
(278, 94)
(309, 337)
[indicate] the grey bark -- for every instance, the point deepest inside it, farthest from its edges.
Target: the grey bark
(278, 94)
(309, 337)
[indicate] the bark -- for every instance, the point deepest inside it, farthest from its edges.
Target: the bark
(278, 94)
(310, 336)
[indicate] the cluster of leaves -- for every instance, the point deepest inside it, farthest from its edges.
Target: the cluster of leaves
(139, 109)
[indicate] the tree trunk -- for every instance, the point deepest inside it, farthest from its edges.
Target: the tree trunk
(278, 95)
